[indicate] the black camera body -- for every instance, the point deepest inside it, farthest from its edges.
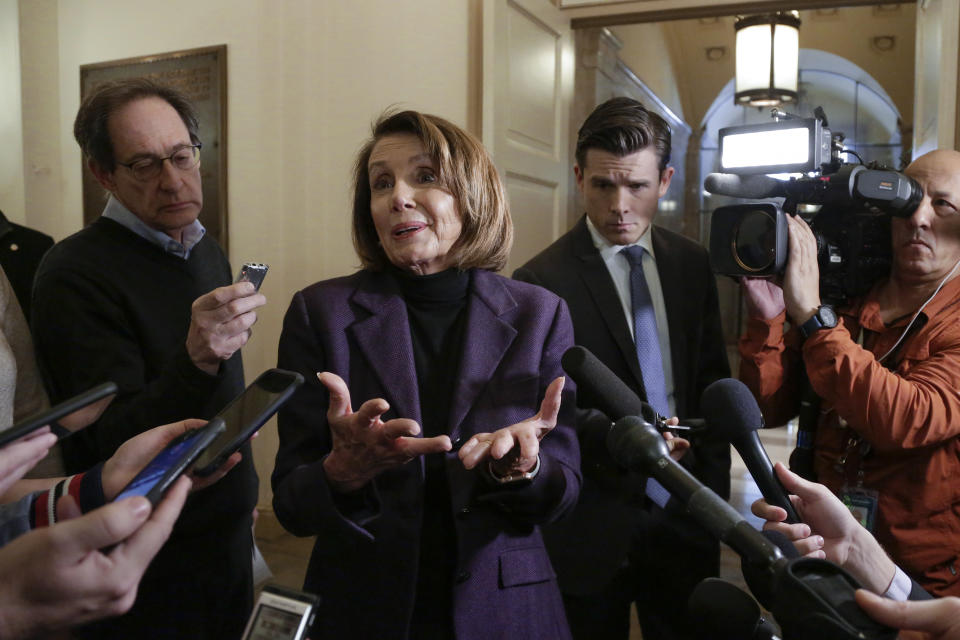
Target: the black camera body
(852, 224)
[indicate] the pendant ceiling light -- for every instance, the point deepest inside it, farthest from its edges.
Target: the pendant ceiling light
(768, 54)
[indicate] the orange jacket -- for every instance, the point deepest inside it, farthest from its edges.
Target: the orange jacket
(910, 416)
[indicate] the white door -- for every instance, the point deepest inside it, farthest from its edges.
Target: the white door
(527, 88)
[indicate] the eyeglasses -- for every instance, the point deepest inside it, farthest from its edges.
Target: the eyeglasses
(184, 159)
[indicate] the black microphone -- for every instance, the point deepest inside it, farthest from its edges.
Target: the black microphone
(614, 398)
(757, 577)
(755, 186)
(612, 395)
(637, 445)
(812, 599)
(729, 612)
(733, 415)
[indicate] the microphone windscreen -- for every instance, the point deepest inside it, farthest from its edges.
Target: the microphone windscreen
(727, 611)
(730, 409)
(610, 394)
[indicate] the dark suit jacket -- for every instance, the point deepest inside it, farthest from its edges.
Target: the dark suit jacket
(571, 267)
(364, 563)
(21, 250)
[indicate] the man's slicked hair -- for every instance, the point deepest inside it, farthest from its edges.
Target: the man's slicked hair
(622, 126)
(91, 125)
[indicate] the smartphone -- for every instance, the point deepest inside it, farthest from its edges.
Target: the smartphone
(246, 414)
(161, 472)
(253, 272)
(53, 414)
(281, 614)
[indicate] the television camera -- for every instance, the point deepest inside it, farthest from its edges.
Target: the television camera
(851, 222)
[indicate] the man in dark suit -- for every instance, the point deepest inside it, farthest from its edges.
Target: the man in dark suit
(652, 317)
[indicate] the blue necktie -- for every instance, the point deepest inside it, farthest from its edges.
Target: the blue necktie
(645, 336)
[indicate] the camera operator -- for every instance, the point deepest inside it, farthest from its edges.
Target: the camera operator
(887, 368)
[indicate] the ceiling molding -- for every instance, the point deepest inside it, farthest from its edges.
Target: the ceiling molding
(710, 11)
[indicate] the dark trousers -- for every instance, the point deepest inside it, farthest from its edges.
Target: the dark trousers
(603, 615)
(669, 561)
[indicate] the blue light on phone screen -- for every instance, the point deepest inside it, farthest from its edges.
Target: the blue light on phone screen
(154, 471)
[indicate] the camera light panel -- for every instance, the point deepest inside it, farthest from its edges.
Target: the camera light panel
(780, 150)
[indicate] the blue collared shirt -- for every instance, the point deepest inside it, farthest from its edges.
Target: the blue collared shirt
(192, 233)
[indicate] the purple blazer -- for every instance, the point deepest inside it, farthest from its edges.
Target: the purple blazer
(365, 559)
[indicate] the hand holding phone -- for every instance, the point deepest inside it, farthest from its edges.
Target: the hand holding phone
(16, 458)
(134, 454)
(168, 465)
(247, 413)
(74, 414)
(57, 578)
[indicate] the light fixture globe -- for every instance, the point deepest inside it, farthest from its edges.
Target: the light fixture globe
(768, 56)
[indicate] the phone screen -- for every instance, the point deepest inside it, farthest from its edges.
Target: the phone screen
(168, 464)
(281, 614)
(246, 414)
(272, 623)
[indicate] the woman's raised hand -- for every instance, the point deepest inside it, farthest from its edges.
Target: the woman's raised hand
(362, 444)
(514, 449)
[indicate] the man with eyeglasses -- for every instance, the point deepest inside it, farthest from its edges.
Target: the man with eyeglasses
(143, 297)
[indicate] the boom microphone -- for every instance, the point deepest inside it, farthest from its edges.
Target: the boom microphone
(756, 186)
(732, 413)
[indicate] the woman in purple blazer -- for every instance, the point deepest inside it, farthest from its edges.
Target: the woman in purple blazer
(426, 499)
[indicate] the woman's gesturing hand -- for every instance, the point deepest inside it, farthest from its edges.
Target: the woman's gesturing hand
(514, 449)
(362, 444)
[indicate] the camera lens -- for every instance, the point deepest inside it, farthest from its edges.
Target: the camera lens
(754, 241)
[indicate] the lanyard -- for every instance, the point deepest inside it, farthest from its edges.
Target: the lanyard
(890, 360)
(854, 440)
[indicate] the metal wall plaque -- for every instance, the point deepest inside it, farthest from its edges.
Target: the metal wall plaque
(201, 74)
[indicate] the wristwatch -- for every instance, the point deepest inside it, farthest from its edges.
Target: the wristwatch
(824, 318)
(515, 478)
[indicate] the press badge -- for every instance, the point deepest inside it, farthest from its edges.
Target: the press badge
(862, 503)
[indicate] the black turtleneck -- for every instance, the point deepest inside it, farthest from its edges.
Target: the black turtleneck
(436, 306)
